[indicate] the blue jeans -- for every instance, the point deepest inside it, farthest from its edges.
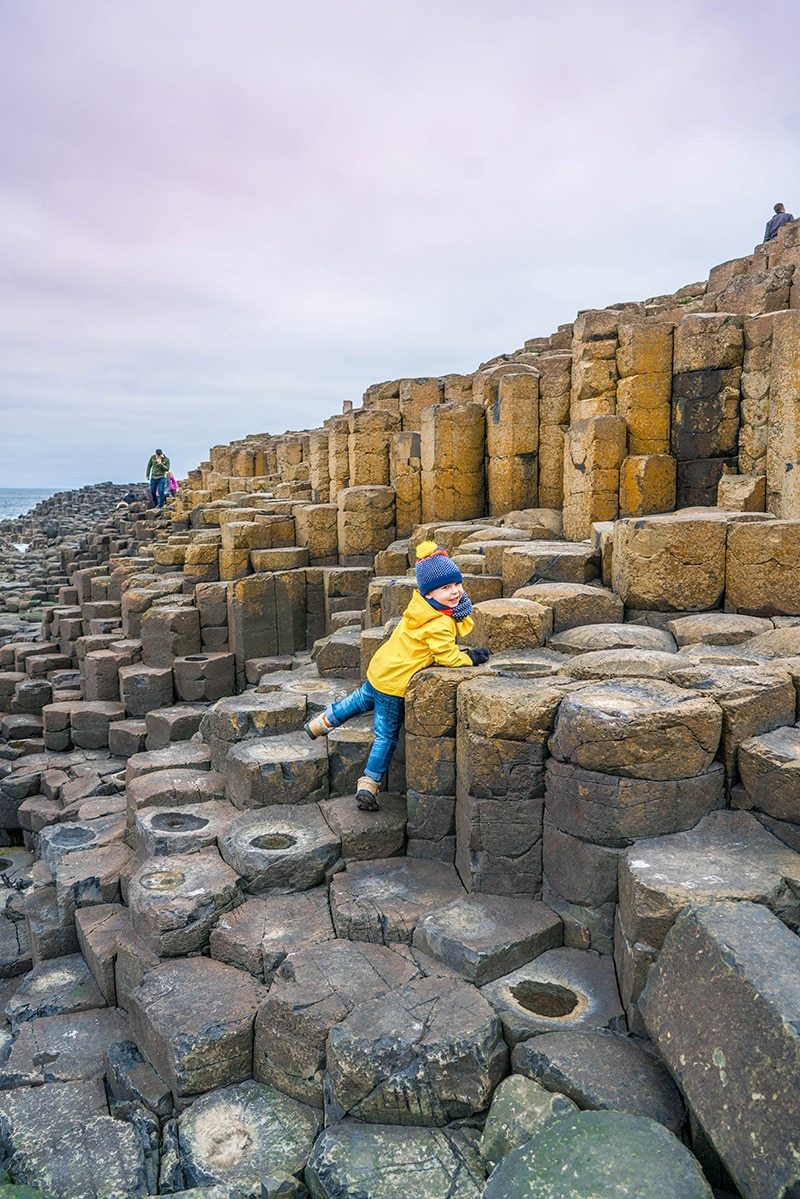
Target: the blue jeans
(157, 489)
(388, 719)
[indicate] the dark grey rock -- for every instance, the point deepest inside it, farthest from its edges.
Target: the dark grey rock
(722, 1004)
(602, 1070)
(599, 1155)
(381, 901)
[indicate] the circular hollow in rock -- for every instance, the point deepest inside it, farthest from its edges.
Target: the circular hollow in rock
(67, 834)
(273, 841)
(548, 999)
(177, 822)
(5, 864)
(162, 880)
(196, 658)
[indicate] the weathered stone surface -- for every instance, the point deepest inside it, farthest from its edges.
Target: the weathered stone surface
(175, 902)
(183, 756)
(99, 928)
(54, 988)
(669, 563)
(562, 989)
(182, 829)
(240, 1134)
(62, 1048)
(716, 628)
(277, 770)
(753, 700)
(638, 729)
(762, 567)
(547, 561)
(484, 936)
(574, 604)
(367, 835)
(520, 1109)
(258, 935)
(61, 1141)
(381, 901)
(314, 989)
(597, 1155)
(602, 1070)
(512, 709)
(193, 1020)
(613, 810)
(729, 855)
(620, 664)
(576, 869)
(369, 1161)
(283, 848)
(131, 1079)
(737, 969)
(504, 624)
(441, 1055)
(173, 789)
(593, 638)
(769, 766)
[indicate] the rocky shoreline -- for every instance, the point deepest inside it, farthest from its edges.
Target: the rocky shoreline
(563, 958)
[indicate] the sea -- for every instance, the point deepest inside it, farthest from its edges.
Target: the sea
(15, 501)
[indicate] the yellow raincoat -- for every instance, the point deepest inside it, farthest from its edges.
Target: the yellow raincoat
(424, 637)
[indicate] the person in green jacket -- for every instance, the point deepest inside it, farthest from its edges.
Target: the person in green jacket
(157, 472)
(438, 613)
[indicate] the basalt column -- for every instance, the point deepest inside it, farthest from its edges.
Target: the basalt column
(453, 437)
(707, 368)
(644, 364)
(512, 444)
(783, 438)
(554, 391)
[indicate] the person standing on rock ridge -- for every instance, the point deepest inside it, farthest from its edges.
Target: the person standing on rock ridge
(157, 472)
(781, 217)
(439, 612)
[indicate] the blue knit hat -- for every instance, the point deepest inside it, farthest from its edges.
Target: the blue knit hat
(434, 568)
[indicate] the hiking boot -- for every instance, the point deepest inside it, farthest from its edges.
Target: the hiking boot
(318, 726)
(367, 794)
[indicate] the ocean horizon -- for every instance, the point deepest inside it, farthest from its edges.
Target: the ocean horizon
(16, 501)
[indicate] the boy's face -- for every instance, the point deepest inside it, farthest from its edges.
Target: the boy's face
(449, 595)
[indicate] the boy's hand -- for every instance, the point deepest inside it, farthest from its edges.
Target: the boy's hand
(478, 655)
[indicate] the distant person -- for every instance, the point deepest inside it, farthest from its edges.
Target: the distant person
(157, 472)
(781, 218)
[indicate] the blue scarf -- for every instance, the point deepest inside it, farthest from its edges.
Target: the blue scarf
(460, 612)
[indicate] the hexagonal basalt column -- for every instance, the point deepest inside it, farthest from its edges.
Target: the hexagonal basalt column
(282, 848)
(277, 770)
(174, 903)
(164, 832)
(381, 901)
(441, 1055)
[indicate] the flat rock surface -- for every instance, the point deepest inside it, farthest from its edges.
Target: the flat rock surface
(520, 1109)
(314, 989)
(240, 1134)
(63, 1048)
(285, 847)
(258, 935)
(736, 969)
(277, 770)
(369, 1161)
(382, 901)
(429, 1053)
(729, 855)
(175, 901)
(367, 835)
(621, 664)
(600, 1155)
(563, 988)
(592, 637)
(769, 766)
(484, 936)
(637, 728)
(717, 628)
(53, 988)
(602, 1070)
(193, 1020)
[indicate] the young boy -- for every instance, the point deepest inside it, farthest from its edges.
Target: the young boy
(439, 611)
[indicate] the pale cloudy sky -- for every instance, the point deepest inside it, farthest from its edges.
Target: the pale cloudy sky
(225, 216)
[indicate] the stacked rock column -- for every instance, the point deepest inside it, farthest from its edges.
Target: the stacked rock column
(644, 363)
(707, 369)
(453, 437)
(512, 444)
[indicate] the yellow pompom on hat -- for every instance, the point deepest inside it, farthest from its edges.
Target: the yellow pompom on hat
(435, 568)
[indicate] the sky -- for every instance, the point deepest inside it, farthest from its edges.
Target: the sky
(222, 217)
